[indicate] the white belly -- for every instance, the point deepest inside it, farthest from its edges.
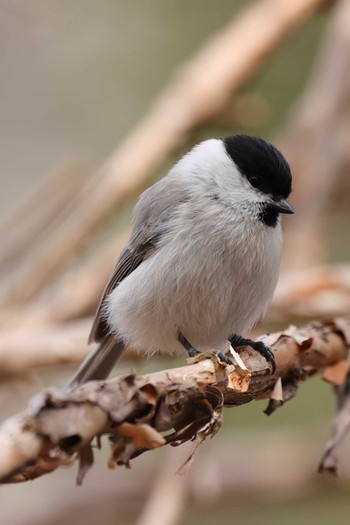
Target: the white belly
(209, 291)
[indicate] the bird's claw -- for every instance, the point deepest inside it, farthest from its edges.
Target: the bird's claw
(222, 357)
(192, 352)
(196, 356)
(258, 346)
(266, 352)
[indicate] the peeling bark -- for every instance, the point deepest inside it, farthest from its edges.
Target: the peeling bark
(140, 413)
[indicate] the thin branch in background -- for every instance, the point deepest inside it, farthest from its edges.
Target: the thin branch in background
(140, 413)
(305, 293)
(199, 91)
(76, 293)
(316, 143)
(168, 494)
(46, 346)
(339, 430)
(23, 350)
(40, 212)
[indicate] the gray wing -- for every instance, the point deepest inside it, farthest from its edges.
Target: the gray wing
(128, 261)
(152, 219)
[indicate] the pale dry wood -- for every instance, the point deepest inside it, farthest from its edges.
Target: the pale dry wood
(316, 143)
(200, 90)
(77, 292)
(167, 497)
(319, 291)
(45, 345)
(16, 451)
(339, 429)
(136, 411)
(23, 349)
(40, 213)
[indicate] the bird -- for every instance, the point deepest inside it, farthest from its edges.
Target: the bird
(203, 258)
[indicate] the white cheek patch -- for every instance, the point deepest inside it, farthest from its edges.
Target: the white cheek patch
(209, 163)
(248, 191)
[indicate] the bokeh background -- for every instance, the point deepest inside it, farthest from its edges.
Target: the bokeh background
(76, 79)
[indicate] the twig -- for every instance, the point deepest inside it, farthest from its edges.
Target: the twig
(39, 214)
(200, 90)
(319, 291)
(316, 143)
(167, 497)
(168, 407)
(23, 349)
(339, 430)
(77, 292)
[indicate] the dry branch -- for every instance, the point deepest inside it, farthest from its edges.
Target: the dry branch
(23, 349)
(199, 91)
(140, 413)
(77, 293)
(316, 142)
(319, 291)
(166, 501)
(339, 430)
(40, 213)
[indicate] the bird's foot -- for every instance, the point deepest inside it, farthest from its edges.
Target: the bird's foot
(220, 356)
(215, 355)
(258, 346)
(193, 353)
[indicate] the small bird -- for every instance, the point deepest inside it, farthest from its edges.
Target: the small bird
(203, 258)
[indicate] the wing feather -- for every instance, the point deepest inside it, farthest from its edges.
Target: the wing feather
(152, 219)
(127, 262)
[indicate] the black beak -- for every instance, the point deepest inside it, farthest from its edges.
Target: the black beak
(282, 206)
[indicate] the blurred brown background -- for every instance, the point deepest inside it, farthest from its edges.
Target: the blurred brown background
(81, 79)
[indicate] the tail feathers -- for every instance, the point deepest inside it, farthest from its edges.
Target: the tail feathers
(99, 363)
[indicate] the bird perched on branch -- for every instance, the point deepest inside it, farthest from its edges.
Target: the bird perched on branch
(203, 258)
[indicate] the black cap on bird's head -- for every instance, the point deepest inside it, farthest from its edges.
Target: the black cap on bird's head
(266, 169)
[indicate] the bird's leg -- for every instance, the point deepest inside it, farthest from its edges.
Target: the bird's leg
(192, 352)
(258, 346)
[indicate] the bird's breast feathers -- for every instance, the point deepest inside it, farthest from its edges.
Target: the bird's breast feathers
(208, 285)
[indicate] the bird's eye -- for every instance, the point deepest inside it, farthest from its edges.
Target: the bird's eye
(256, 182)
